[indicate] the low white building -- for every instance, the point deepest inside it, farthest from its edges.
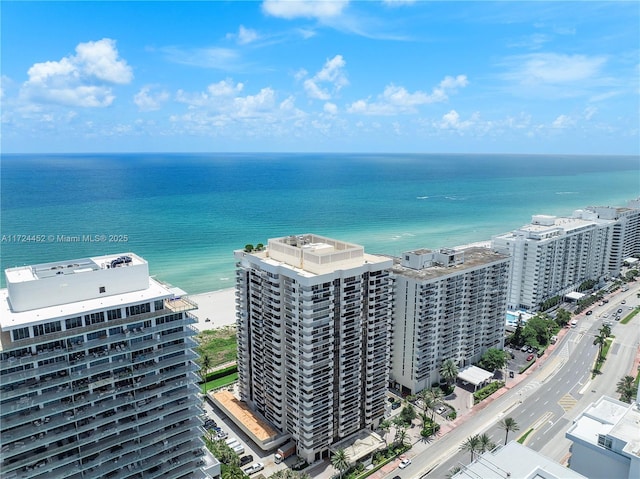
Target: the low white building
(606, 440)
(515, 461)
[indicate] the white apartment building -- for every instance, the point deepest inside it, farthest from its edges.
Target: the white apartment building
(97, 374)
(553, 256)
(606, 440)
(449, 304)
(625, 238)
(313, 338)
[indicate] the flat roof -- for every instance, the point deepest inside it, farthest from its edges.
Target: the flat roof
(360, 444)
(11, 320)
(259, 428)
(515, 461)
(474, 375)
(599, 418)
(473, 257)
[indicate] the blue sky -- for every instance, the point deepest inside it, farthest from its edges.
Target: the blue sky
(325, 76)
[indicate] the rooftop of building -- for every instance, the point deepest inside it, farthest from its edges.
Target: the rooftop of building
(609, 417)
(41, 271)
(515, 461)
(474, 257)
(310, 255)
(49, 291)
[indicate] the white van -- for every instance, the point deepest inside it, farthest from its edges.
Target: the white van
(574, 323)
(232, 442)
(239, 449)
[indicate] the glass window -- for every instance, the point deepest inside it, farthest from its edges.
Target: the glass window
(71, 323)
(20, 333)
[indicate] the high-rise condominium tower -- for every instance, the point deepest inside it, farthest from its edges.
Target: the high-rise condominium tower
(97, 374)
(313, 338)
(449, 304)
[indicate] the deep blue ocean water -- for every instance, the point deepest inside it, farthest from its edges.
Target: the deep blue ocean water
(186, 213)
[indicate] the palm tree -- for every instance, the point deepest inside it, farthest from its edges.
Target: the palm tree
(600, 340)
(425, 419)
(484, 443)
(508, 424)
(427, 401)
(401, 437)
(340, 460)
(449, 371)
(606, 330)
(385, 426)
(625, 389)
(205, 366)
(471, 444)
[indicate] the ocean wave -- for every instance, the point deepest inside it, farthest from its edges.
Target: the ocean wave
(566, 192)
(456, 198)
(422, 197)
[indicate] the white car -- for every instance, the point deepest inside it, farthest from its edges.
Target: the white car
(252, 469)
(404, 463)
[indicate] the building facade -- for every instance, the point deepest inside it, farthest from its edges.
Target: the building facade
(553, 256)
(606, 440)
(449, 304)
(313, 338)
(98, 377)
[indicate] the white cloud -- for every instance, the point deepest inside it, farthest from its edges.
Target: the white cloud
(589, 112)
(563, 121)
(553, 68)
(147, 100)
(332, 73)
(319, 9)
(397, 99)
(244, 35)
(79, 80)
(215, 57)
(225, 88)
(330, 108)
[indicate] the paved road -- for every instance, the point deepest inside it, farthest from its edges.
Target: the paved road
(548, 400)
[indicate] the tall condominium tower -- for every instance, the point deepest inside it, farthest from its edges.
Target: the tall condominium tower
(97, 374)
(625, 238)
(553, 256)
(449, 304)
(313, 338)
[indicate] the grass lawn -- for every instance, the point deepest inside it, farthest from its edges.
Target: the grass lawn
(220, 382)
(524, 436)
(630, 316)
(219, 344)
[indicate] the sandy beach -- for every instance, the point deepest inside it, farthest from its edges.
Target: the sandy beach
(215, 309)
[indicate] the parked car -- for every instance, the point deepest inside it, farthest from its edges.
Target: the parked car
(258, 466)
(623, 301)
(396, 405)
(244, 460)
(589, 313)
(530, 357)
(441, 409)
(620, 310)
(404, 463)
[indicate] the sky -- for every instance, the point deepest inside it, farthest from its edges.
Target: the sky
(320, 76)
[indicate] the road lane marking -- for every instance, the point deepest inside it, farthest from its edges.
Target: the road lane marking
(567, 402)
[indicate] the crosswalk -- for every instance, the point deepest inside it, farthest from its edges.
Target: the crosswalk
(530, 386)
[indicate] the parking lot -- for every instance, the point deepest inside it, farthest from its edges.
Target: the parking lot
(252, 454)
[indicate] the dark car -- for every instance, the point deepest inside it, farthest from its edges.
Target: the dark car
(589, 313)
(246, 460)
(620, 310)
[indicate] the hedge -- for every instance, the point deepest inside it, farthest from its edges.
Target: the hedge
(486, 391)
(220, 373)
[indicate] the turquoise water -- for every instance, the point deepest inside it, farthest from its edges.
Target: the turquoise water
(187, 213)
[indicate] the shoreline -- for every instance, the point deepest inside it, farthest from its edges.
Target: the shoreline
(216, 309)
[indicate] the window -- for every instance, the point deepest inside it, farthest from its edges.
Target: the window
(71, 323)
(47, 328)
(102, 289)
(114, 314)
(138, 309)
(604, 441)
(94, 318)
(96, 335)
(158, 305)
(20, 333)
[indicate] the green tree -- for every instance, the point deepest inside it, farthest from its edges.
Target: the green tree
(471, 445)
(508, 424)
(537, 331)
(408, 414)
(600, 340)
(626, 389)
(340, 460)
(385, 426)
(205, 367)
(605, 330)
(402, 437)
(563, 317)
(453, 471)
(517, 339)
(248, 248)
(493, 359)
(485, 444)
(232, 472)
(449, 371)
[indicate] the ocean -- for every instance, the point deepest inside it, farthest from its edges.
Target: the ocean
(187, 213)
